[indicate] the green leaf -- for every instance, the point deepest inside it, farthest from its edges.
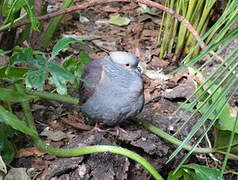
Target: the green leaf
(12, 73)
(177, 176)
(25, 56)
(203, 172)
(226, 121)
(18, 49)
(84, 57)
(204, 108)
(10, 7)
(119, 21)
(6, 7)
(7, 131)
(7, 148)
(63, 44)
(35, 23)
(148, 10)
(32, 58)
(74, 66)
(13, 7)
(2, 52)
(186, 106)
(60, 76)
(36, 79)
(12, 120)
(11, 95)
(196, 172)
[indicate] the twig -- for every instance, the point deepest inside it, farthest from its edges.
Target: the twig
(97, 2)
(146, 2)
(183, 20)
(69, 10)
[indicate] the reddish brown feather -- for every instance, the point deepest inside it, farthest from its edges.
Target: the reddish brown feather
(92, 74)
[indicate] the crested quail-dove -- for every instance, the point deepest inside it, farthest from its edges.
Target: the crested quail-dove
(117, 92)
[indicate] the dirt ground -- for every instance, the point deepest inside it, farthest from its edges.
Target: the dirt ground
(63, 125)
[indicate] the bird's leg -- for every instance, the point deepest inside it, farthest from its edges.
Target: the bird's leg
(120, 130)
(97, 129)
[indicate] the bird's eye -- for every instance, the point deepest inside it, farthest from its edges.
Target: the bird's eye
(127, 65)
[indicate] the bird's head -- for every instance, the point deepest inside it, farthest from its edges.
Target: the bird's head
(126, 60)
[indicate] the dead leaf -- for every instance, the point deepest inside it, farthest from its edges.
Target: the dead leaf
(157, 62)
(41, 164)
(110, 46)
(156, 74)
(53, 135)
(155, 51)
(157, 106)
(176, 78)
(55, 124)
(109, 9)
(57, 144)
(31, 151)
(181, 91)
(72, 121)
(130, 6)
(149, 33)
(17, 173)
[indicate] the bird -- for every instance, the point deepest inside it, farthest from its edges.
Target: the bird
(112, 89)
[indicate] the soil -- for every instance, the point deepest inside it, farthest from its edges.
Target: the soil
(63, 125)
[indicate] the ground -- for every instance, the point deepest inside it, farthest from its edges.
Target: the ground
(63, 125)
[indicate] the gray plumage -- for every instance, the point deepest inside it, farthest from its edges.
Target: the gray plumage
(118, 92)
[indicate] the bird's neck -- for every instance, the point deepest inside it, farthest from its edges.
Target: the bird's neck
(116, 73)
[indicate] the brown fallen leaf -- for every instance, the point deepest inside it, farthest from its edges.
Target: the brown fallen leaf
(157, 62)
(177, 77)
(157, 106)
(57, 144)
(130, 6)
(109, 9)
(147, 32)
(54, 135)
(72, 121)
(17, 173)
(184, 90)
(40, 163)
(26, 152)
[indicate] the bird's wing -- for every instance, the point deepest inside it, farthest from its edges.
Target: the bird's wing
(92, 76)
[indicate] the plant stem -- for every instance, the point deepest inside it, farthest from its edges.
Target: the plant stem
(231, 139)
(170, 138)
(26, 108)
(147, 125)
(8, 25)
(175, 141)
(53, 96)
(84, 150)
(97, 149)
(53, 25)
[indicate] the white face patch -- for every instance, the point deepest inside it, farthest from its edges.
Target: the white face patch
(125, 59)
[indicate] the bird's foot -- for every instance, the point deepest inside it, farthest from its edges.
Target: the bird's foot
(98, 130)
(120, 130)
